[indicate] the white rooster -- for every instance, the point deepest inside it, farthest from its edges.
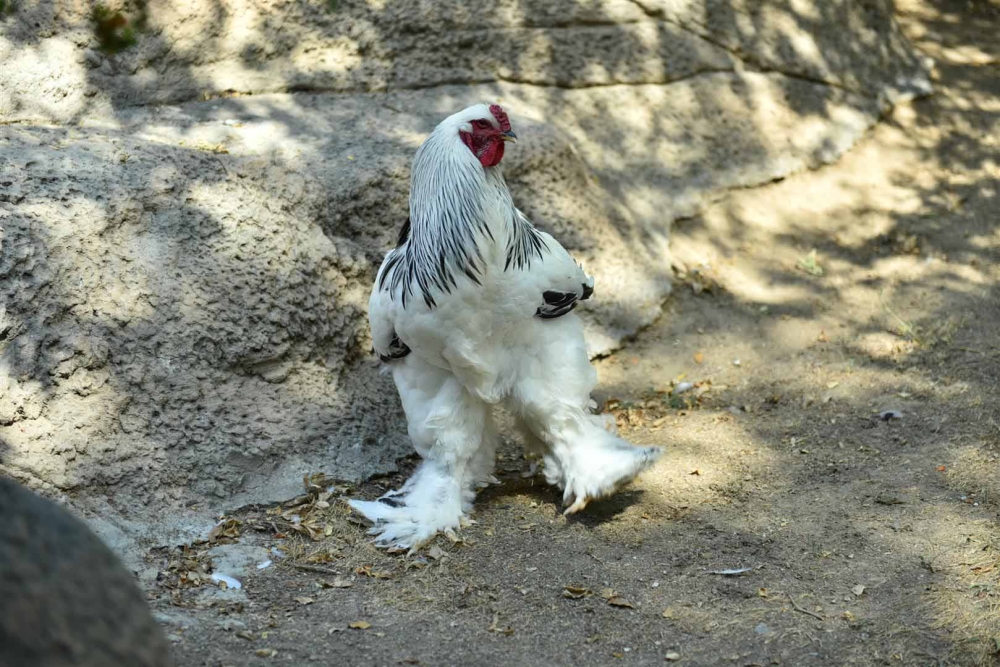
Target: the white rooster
(473, 309)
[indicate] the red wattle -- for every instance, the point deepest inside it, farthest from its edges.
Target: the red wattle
(493, 154)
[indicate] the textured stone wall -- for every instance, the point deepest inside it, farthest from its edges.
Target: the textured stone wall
(189, 228)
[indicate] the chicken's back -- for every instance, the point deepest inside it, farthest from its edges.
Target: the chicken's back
(486, 334)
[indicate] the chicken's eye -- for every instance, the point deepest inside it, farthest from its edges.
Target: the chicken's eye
(480, 124)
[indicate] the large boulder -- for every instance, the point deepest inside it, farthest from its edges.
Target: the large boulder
(67, 601)
(192, 211)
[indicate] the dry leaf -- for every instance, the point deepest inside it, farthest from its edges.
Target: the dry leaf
(762, 592)
(265, 652)
(608, 593)
(304, 600)
(698, 357)
(225, 528)
(576, 592)
(942, 468)
(495, 626)
(669, 612)
(359, 625)
(858, 590)
(832, 385)
(436, 552)
(341, 583)
(620, 602)
(672, 656)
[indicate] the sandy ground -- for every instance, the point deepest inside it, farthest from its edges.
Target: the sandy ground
(807, 310)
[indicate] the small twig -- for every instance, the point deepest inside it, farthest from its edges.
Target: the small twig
(594, 556)
(796, 607)
(908, 329)
(314, 568)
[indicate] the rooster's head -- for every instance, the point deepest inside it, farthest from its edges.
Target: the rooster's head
(484, 130)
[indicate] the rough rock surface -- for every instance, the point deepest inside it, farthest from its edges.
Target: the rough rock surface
(190, 226)
(67, 600)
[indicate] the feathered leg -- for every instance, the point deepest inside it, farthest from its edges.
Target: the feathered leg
(583, 455)
(480, 469)
(535, 451)
(452, 430)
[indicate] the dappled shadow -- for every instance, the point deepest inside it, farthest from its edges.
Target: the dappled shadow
(598, 512)
(151, 336)
(198, 328)
(808, 484)
(676, 151)
(204, 314)
(896, 310)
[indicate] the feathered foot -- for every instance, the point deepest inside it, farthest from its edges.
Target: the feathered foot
(430, 502)
(594, 463)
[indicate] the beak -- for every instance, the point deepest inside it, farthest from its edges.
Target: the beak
(509, 136)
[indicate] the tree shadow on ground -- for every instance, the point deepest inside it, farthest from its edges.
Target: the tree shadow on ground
(156, 373)
(903, 317)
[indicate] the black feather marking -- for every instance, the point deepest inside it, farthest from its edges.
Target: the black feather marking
(404, 233)
(415, 264)
(588, 291)
(547, 314)
(472, 276)
(395, 256)
(555, 298)
(397, 349)
(556, 304)
(436, 252)
(390, 264)
(524, 245)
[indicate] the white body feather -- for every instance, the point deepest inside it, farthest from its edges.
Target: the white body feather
(479, 341)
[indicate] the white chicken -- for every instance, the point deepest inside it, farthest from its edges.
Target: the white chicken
(473, 309)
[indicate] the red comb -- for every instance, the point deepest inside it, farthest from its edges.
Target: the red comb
(501, 117)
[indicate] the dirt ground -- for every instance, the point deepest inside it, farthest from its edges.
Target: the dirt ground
(839, 445)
